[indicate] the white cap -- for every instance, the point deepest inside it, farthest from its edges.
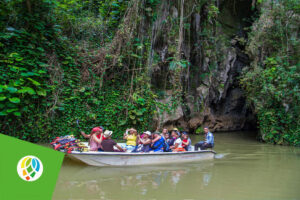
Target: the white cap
(148, 133)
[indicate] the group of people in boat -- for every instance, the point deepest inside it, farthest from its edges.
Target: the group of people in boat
(175, 141)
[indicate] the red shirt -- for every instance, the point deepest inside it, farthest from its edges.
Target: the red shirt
(141, 138)
(103, 138)
(183, 145)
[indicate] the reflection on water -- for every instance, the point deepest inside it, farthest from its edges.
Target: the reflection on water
(86, 182)
(245, 169)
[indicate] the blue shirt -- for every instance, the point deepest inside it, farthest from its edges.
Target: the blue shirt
(158, 145)
(209, 138)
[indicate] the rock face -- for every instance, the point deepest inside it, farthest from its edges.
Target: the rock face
(213, 97)
(165, 117)
(219, 108)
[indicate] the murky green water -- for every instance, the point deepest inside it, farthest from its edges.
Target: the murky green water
(245, 169)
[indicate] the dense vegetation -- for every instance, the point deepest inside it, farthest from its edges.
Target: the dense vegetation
(272, 80)
(50, 71)
(90, 60)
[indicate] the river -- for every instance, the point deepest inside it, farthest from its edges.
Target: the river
(244, 169)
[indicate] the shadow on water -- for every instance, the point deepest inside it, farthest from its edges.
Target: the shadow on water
(244, 169)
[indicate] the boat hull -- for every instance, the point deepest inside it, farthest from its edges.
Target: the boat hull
(131, 159)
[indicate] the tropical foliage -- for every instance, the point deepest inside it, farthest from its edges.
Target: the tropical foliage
(272, 80)
(93, 60)
(47, 78)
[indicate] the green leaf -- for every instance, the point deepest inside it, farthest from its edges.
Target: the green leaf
(122, 122)
(2, 98)
(40, 49)
(139, 113)
(41, 72)
(12, 89)
(3, 86)
(131, 116)
(183, 65)
(13, 55)
(34, 82)
(172, 65)
(11, 110)
(17, 83)
(14, 100)
(115, 4)
(3, 113)
(28, 74)
(62, 108)
(28, 90)
(42, 92)
(115, 12)
(135, 55)
(17, 114)
(19, 59)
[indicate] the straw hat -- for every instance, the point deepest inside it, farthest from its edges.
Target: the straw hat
(107, 133)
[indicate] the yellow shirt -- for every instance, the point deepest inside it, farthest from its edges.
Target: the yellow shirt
(131, 140)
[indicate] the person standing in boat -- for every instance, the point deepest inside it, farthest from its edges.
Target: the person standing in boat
(89, 135)
(208, 143)
(109, 144)
(95, 142)
(131, 139)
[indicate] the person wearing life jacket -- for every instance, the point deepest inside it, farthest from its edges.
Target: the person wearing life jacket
(177, 147)
(95, 142)
(131, 139)
(157, 142)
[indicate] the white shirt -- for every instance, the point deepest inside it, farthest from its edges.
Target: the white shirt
(179, 142)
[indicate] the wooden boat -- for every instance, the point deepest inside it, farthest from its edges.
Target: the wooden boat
(132, 159)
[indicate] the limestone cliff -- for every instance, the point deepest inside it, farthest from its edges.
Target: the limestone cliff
(211, 93)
